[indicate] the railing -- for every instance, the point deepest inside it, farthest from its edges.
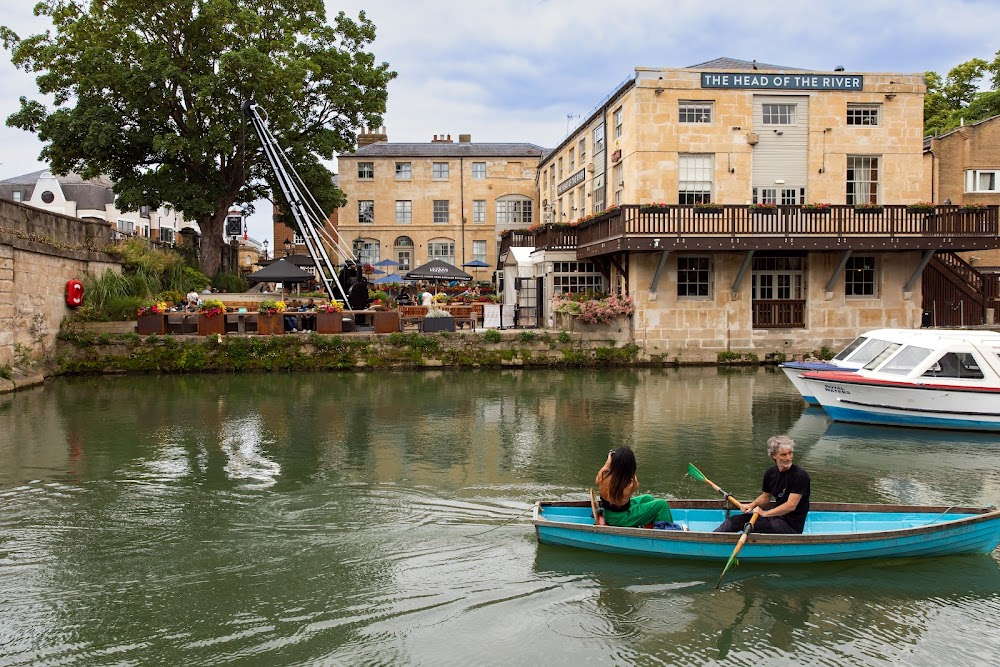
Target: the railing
(962, 269)
(779, 313)
(838, 221)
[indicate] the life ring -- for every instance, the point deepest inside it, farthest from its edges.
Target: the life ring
(74, 293)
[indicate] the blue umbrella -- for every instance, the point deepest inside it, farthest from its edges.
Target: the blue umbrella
(476, 264)
(391, 278)
(387, 262)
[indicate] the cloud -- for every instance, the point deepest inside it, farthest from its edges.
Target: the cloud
(513, 70)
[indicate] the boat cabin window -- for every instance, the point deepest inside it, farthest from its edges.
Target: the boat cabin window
(905, 360)
(871, 349)
(879, 358)
(956, 365)
(849, 350)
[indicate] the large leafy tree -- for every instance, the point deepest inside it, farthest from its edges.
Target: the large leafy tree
(960, 98)
(149, 92)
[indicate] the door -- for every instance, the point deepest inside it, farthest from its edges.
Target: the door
(781, 155)
(528, 309)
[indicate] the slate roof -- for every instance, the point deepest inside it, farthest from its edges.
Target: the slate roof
(444, 149)
(92, 194)
(740, 65)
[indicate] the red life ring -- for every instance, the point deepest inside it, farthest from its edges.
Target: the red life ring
(74, 293)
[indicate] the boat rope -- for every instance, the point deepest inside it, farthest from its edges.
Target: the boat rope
(940, 515)
(505, 523)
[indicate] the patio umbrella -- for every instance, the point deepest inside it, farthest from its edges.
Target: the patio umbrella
(391, 278)
(280, 272)
(297, 260)
(387, 262)
(437, 270)
(476, 264)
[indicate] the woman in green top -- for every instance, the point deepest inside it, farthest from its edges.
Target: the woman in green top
(616, 482)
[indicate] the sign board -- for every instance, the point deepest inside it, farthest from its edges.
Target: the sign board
(507, 316)
(572, 181)
(234, 225)
(782, 81)
(491, 315)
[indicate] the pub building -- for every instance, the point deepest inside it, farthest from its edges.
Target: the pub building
(755, 208)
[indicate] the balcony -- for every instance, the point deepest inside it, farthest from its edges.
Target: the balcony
(637, 228)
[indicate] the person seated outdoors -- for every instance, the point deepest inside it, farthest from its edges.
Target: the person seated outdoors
(291, 321)
(308, 321)
(426, 298)
(192, 298)
(788, 484)
(616, 482)
(404, 299)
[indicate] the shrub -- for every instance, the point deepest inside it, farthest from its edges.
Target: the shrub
(492, 336)
(229, 282)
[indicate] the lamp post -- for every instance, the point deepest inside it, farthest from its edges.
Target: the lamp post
(288, 247)
(265, 250)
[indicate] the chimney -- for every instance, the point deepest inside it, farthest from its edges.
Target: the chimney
(367, 138)
(441, 139)
(465, 138)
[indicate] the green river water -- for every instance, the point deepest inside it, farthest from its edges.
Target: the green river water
(380, 519)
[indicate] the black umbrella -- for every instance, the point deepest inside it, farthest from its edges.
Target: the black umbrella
(280, 272)
(297, 260)
(437, 270)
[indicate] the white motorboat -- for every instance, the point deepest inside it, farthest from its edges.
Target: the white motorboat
(862, 349)
(946, 379)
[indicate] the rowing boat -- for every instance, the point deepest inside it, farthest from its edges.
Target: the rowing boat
(833, 532)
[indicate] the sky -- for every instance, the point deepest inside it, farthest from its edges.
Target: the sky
(531, 70)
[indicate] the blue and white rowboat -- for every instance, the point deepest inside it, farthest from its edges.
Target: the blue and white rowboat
(833, 532)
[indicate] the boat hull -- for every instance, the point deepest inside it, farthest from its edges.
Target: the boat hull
(852, 398)
(834, 532)
(794, 369)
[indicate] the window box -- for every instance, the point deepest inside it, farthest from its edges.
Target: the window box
(816, 211)
(702, 209)
(154, 323)
(919, 209)
(654, 208)
(763, 210)
(865, 209)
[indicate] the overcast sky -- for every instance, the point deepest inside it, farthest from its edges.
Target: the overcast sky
(522, 70)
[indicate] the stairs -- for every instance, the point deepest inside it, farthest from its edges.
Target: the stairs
(954, 293)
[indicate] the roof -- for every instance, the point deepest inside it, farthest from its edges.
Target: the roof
(927, 140)
(89, 195)
(736, 64)
(446, 149)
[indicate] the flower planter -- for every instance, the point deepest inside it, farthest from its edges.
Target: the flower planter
(921, 211)
(270, 324)
(654, 209)
(329, 323)
(764, 211)
(386, 321)
(618, 329)
(816, 211)
(708, 211)
(868, 211)
(432, 324)
(211, 325)
(154, 323)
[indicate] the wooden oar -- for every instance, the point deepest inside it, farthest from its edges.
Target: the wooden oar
(698, 475)
(598, 517)
(739, 545)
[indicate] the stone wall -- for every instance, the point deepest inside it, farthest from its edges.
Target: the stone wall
(36, 260)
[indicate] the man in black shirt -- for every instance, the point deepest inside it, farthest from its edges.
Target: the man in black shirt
(787, 484)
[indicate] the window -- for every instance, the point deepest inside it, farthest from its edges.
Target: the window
(694, 184)
(778, 277)
(366, 171)
(574, 277)
(126, 226)
(618, 122)
(976, 180)
(48, 197)
(862, 179)
(404, 212)
(478, 170)
(583, 152)
(778, 114)
(859, 276)
(479, 212)
(598, 193)
(693, 275)
(166, 235)
(692, 111)
(599, 138)
(619, 179)
(560, 168)
(404, 171)
(18, 195)
(441, 211)
(572, 203)
(439, 170)
(863, 114)
(298, 239)
(572, 160)
(479, 250)
(404, 253)
(514, 212)
(369, 253)
(765, 195)
(443, 250)
(366, 212)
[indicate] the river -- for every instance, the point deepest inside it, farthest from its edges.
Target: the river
(381, 519)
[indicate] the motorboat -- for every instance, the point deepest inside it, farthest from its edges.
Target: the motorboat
(833, 532)
(861, 350)
(948, 379)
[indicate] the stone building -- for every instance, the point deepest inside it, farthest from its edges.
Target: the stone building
(415, 202)
(754, 207)
(963, 167)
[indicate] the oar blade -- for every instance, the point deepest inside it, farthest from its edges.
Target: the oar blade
(739, 545)
(697, 474)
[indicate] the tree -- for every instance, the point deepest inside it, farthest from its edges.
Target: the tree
(149, 92)
(959, 98)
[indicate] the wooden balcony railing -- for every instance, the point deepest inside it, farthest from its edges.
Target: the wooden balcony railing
(778, 313)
